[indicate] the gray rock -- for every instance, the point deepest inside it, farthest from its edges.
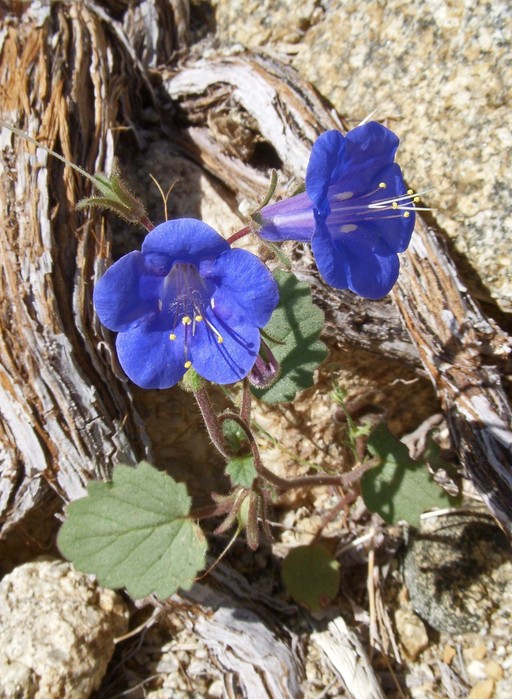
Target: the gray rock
(439, 73)
(458, 571)
(57, 630)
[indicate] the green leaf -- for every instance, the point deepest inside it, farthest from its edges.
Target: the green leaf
(292, 335)
(116, 197)
(242, 471)
(312, 576)
(235, 436)
(400, 488)
(135, 533)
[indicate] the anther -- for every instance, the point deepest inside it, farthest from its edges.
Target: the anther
(382, 185)
(395, 205)
(198, 318)
(186, 320)
(172, 336)
(410, 191)
(406, 214)
(187, 364)
(416, 200)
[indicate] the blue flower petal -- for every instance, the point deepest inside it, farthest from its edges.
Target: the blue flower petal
(372, 275)
(185, 240)
(125, 295)
(369, 149)
(371, 145)
(328, 150)
(288, 219)
(350, 264)
(230, 360)
(383, 237)
(149, 358)
(243, 280)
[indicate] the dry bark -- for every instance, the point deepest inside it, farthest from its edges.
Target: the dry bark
(465, 355)
(63, 417)
(347, 656)
(242, 627)
(434, 324)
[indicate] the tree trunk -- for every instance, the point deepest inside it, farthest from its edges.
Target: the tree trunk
(64, 419)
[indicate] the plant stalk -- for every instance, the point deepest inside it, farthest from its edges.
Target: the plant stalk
(212, 421)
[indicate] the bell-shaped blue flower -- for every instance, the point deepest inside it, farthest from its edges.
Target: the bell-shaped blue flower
(186, 300)
(356, 210)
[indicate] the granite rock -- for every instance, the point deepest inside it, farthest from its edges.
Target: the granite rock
(57, 630)
(261, 23)
(458, 573)
(439, 73)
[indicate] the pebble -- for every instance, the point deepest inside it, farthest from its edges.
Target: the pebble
(449, 654)
(216, 689)
(507, 663)
(476, 670)
(412, 632)
(482, 690)
(475, 653)
(493, 670)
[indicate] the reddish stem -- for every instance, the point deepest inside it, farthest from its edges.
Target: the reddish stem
(212, 422)
(345, 480)
(239, 234)
(245, 408)
(144, 221)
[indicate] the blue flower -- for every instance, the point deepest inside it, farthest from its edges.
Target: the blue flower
(187, 299)
(356, 211)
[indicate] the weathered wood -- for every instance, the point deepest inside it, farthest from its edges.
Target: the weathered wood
(464, 354)
(244, 630)
(348, 658)
(433, 324)
(63, 419)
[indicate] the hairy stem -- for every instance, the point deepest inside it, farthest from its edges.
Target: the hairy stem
(219, 508)
(245, 408)
(144, 221)
(344, 480)
(212, 421)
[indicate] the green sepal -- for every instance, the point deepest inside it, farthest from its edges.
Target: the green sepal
(116, 197)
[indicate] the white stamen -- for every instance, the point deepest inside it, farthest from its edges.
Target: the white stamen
(214, 330)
